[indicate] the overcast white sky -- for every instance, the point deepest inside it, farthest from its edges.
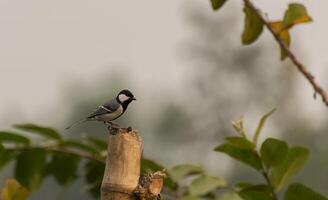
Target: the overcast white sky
(44, 43)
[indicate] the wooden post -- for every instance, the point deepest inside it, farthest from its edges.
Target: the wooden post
(122, 179)
(122, 170)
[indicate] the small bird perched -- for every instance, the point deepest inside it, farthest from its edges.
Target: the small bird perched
(110, 110)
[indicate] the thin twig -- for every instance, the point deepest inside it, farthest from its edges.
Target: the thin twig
(58, 149)
(265, 173)
(266, 176)
(300, 66)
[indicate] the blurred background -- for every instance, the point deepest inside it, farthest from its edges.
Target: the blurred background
(184, 63)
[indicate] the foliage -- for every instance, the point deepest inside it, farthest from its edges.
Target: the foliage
(204, 184)
(56, 156)
(298, 191)
(216, 4)
(295, 14)
(253, 26)
(274, 160)
(13, 191)
(200, 183)
(29, 167)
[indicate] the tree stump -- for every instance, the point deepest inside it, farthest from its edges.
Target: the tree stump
(122, 179)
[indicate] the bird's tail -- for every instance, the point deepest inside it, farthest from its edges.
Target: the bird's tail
(76, 123)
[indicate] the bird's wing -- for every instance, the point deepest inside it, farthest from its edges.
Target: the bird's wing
(106, 108)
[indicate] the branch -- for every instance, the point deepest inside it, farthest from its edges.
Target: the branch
(265, 174)
(150, 186)
(300, 66)
(58, 149)
(145, 188)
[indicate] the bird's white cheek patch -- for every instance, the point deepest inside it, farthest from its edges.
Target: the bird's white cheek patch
(123, 97)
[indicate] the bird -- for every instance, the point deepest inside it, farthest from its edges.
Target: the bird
(110, 110)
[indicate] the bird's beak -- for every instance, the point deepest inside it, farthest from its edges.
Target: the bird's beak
(133, 98)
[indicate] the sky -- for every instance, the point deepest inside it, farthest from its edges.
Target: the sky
(46, 44)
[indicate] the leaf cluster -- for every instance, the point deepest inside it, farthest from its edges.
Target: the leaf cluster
(60, 158)
(274, 160)
(295, 14)
(39, 152)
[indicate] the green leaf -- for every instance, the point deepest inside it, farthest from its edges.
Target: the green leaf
(298, 191)
(284, 36)
(29, 167)
(282, 173)
(295, 14)
(240, 142)
(205, 183)
(229, 196)
(244, 155)
(94, 173)
(148, 165)
(181, 171)
(254, 195)
(243, 185)
(98, 143)
(44, 131)
(260, 126)
(273, 152)
(209, 195)
(256, 192)
(14, 191)
(5, 157)
(216, 4)
(63, 167)
(79, 145)
(190, 197)
(253, 26)
(7, 136)
(260, 187)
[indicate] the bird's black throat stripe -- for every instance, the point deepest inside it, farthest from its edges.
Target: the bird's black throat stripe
(126, 103)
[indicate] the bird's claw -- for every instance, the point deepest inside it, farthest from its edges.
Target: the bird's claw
(113, 128)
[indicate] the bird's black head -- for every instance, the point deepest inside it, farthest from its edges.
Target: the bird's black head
(125, 97)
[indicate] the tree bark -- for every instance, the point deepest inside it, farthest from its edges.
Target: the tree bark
(122, 170)
(122, 180)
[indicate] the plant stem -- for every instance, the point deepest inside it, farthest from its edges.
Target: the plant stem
(58, 149)
(300, 66)
(265, 174)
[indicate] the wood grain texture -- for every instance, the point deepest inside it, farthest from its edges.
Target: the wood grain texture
(122, 170)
